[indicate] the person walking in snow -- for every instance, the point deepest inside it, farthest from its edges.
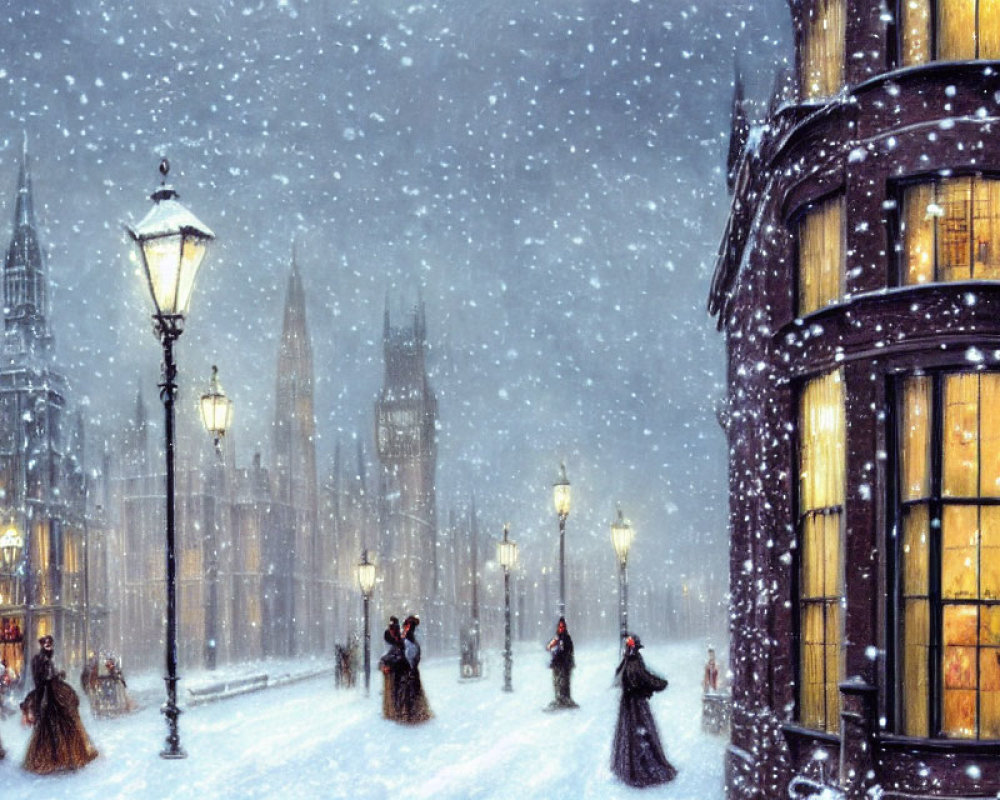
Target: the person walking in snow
(392, 663)
(58, 741)
(562, 663)
(413, 706)
(637, 756)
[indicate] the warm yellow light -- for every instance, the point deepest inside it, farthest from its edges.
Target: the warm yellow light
(172, 243)
(366, 574)
(560, 493)
(216, 408)
(621, 536)
(506, 551)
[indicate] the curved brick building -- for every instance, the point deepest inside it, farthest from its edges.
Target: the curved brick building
(858, 287)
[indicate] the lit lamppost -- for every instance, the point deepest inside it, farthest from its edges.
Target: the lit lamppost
(560, 496)
(507, 556)
(366, 580)
(171, 243)
(621, 538)
(216, 411)
(217, 417)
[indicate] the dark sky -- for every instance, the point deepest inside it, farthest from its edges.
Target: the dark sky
(547, 175)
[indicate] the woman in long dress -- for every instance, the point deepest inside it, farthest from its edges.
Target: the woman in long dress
(413, 706)
(58, 740)
(637, 756)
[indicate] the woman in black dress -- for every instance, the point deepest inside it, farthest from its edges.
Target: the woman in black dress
(637, 756)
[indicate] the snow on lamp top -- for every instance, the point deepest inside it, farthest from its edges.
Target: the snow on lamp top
(172, 243)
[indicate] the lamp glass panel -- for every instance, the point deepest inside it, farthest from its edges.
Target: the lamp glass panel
(162, 258)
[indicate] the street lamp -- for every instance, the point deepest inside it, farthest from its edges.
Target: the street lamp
(217, 416)
(560, 496)
(171, 243)
(621, 538)
(216, 410)
(366, 580)
(507, 556)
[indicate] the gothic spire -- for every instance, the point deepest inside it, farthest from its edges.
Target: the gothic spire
(25, 287)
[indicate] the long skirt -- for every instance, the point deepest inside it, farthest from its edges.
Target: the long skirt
(58, 741)
(413, 705)
(637, 756)
(560, 686)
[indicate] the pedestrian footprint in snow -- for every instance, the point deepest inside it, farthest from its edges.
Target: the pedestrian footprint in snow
(637, 756)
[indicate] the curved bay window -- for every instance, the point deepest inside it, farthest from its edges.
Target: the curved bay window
(949, 555)
(948, 30)
(951, 230)
(822, 50)
(821, 255)
(821, 583)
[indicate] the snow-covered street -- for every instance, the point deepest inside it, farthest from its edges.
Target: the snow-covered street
(308, 740)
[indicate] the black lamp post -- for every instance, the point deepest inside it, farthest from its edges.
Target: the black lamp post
(560, 496)
(171, 243)
(217, 417)
(366, 580)
(507, 556)
(621, 538)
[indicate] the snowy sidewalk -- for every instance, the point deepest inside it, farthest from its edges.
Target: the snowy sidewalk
(306, 740)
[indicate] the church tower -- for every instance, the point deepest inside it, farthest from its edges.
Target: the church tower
(406, 442)
(294, 463)
(42, 485)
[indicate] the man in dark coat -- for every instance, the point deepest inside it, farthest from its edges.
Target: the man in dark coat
(562, 664)
(637, 756)
(58, 741)
(392, 664)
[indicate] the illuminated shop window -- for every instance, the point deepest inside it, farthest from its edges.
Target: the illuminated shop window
(821, 256)
(822, 50)
(948, 30)
(951, 230)
(821, 507)
(949, 461)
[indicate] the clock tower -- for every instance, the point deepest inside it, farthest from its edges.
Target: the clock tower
(406, 443)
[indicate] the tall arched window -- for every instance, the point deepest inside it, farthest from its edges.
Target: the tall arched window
(949, 555)
(821, 255)
(822, 448)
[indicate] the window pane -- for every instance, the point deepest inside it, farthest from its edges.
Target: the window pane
(989, 553)
(954, 229)
(961, 428)
(956, 22)
(989, 695)
(821, 449)
(812, 700)
(833, 574)
(989, 435)
(960, 552)
(916, 541)
(916, 24)
(989, 29)
(919, 210)
(812, 556)
(916, 668)
(834, 667)
(986, 229)
(961, 630)
(916, 439)
(821, 256)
